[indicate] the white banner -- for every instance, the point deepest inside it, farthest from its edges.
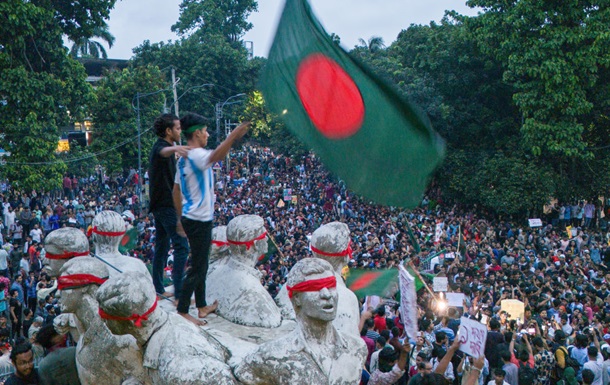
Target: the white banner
(408, 302)
(440, 284)
(473, 335)
(535, 222)
(455, 299)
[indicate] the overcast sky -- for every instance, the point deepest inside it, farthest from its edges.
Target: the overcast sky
(133, 21)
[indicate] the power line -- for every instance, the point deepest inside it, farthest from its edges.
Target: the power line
(81, 158)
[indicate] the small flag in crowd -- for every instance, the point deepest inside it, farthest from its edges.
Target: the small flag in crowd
(363, 282)
(271, 251)
(129, 241)
(408, 302)
(359, 126)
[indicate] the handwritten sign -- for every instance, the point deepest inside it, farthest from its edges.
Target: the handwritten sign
(535, 222)
(440, 284)
(473, 335)
(514, 308)
(455, 299)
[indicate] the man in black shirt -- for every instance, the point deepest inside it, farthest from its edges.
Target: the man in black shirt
(23, 361)
(162, 171)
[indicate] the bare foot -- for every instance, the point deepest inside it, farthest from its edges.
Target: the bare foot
(204, 311)
(193, 319)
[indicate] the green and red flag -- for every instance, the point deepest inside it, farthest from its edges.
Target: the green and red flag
(362, 129)
(363, 282)
(129, 241)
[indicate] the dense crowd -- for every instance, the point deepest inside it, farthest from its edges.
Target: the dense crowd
(557, 270)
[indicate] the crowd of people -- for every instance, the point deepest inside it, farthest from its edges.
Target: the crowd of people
(558, 272)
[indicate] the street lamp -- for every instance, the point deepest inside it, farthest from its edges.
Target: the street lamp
(218, 109)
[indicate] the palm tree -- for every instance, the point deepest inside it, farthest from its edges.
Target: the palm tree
(85, 47)
(374, 44)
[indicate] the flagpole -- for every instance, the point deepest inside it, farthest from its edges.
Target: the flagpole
(459, 239)
(276, 246)
(421, 279)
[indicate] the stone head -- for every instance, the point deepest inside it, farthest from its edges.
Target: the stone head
(108, 228)
(219, 248)
(79, 277)
(331, 242)
(311, 285)
(129, 301)
(61, 245)
(246, 235)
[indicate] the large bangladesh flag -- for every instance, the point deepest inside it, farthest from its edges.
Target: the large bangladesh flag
(359, 126)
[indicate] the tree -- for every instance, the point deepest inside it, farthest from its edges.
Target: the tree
(553, 53)
(85, 47)
(41, 88)
(227, 18)
(374, 44)
(269, 130)
(114, 114)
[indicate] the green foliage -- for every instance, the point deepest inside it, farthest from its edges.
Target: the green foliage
(41, 88)
(269, 130)
(85, 47)
(226, 18)
(115, 116)
(80, 161)
(552, 53)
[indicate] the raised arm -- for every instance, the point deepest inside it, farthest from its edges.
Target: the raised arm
(223, 149)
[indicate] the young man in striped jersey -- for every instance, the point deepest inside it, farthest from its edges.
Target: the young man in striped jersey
(194, 198)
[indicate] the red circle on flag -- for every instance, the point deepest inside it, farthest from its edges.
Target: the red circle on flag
(330, 97)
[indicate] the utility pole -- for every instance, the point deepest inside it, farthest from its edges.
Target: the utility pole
(218, 112)
(140, 176)
(175, 91)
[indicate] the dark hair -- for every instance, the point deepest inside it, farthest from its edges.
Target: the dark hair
(385, 334)
(10, 292)
(592, 351)
(505, 355)
(381, 341)
(45, 336)
(499, 372)
(494, 324)
(162, 123)
(524, 355)
(538, 342)
(440, 336)
(369, 323)
(20, 349)
(189, 120)
(588, 376)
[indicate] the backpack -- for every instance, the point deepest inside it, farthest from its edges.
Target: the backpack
(527, 375)
(570, 362)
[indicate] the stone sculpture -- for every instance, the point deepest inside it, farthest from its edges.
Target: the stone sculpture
(219, 250)
(315, 352)
(108, 228)
(236, 284)
(61, 245)
(175, 351)
(331, 242)
(101, 357)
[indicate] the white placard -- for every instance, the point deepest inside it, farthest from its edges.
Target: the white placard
(535, 222)
(473, 335)
(514, 308)
(455, 299)
(440, 284)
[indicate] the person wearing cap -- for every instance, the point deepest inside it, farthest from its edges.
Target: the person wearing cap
(193, 196)
(315, 352)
